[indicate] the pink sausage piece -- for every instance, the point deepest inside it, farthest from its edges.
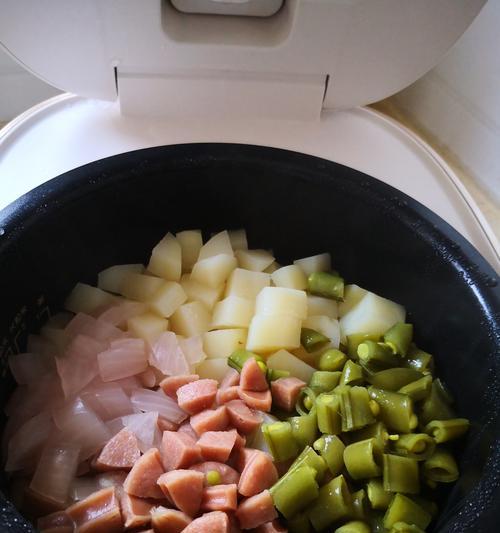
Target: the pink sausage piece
(196, 396)
(141, 480)
(171, 384)
(179, 450)
(242, 457)
(136, 512)
(58, 521)
(285, 392)
(184, 488)
(187, 428)
(214, 522)
(261, 401)
(252, 378)
(169, 520)
(242, 418)
(256, 510)
(240, 441)
(270, 527)
(98, 513)
(217, 445)
(220, 498)
(228, 394)
(120, 453)
(210, 420)
(228, 475)
(258, 474)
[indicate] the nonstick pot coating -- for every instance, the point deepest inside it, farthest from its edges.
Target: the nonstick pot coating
(114, 210)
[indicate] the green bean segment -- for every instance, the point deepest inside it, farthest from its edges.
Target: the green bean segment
(332, 360)
(394, 378)
(403, 509)
(334, 502)
(403, 527)
(295, 491)
(310, 458)
(400, 474)
(326, 285)
(376, 355)
(312, 340)
(329, 414)
(273, 375)
(446, 430)
(355, 407)
(239, 357)
(396, 410)
(299, 524)
(418, 390)
(419, 446)
(418, 360)
(331, 449)
(363, 459)
(305, 401)
(376, 430)
(435, 407)
(324, 381)
(399, 337)
(356, 526)
(352, 374)
(378, 497)
(359, 507)
(355, 339)
(279, 439)
(304, 428)
(441, 467)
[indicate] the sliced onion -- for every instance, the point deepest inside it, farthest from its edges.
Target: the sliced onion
(84, 486)
(144, 426)
(100, 330)
(167, 355)
(108, 401)
(29, 367)
(115, 426)
(126, 357)
(193, 350)
(56, 469)
(27, 442)
(119, 314)
(147, 400)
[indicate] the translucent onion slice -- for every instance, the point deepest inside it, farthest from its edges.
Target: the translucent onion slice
(97, 329)
(146, 400)
(109, 401)
(145, 428)
(29, 367)
(119, 314)
(83, 486)
(193, 350)
(167, 355)
(123, 359)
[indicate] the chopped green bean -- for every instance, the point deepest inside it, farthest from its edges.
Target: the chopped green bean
(333, 503)
(356, 526)
(331, 448)
(417, 446)
(403, 509)
(443, 391)
(396, 410)
(359, 508)
(309, 457)
(328, 413)
(295, 491)
(324, 381)
(428, 505)
(213, 477)
(326, 285)
(446, 430)
(401, 474)
(352, 374)
(376, 430)
(273, 375)
(239, 357)
(355, 408)
(305, 401)
(394, 378)
(312, 340)
(403, 527)
(304, 428)
(378, 497)
(441, 467)
(419, 360)
(299, 524)
(332, 360)
(376, 521)
(435, 407)
(376, 355)
(279, 439)
(418, 390)
(399, 337)
(355, 339)
(363, 459)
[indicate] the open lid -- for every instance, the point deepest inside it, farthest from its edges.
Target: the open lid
(161, 61)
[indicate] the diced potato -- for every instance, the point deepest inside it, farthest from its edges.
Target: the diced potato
(281, 301)
(191, 242)
(373, 315)
(168, 298)
(232, 312)
(223, 342)
(291, 277)
(111, 279)
(166, 259)
(315, 263)
(212, 369)
(87, 299)
(311, 358)
(246, 283)
(238, 238)
(283, 360)
(326, 325)
(201, 293)
(140, 286)
(190, 319)
(256, 260)
(268, 333)
(217, 245)
(147, 326)
(317, 305)
(352, 296)
(215, 270)
(272, 267)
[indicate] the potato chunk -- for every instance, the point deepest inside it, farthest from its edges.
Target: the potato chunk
(232, 312)
(281, 301)
(111, 279)
(315, 263)
(168, 298)
(166, 259)
(246, 284)
(190, 319)
(191, 243)
(223, 342)
(213, 271)
(268, 333)
(256, 260)
(291, 277)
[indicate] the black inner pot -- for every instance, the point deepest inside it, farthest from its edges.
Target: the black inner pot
(114, 211)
